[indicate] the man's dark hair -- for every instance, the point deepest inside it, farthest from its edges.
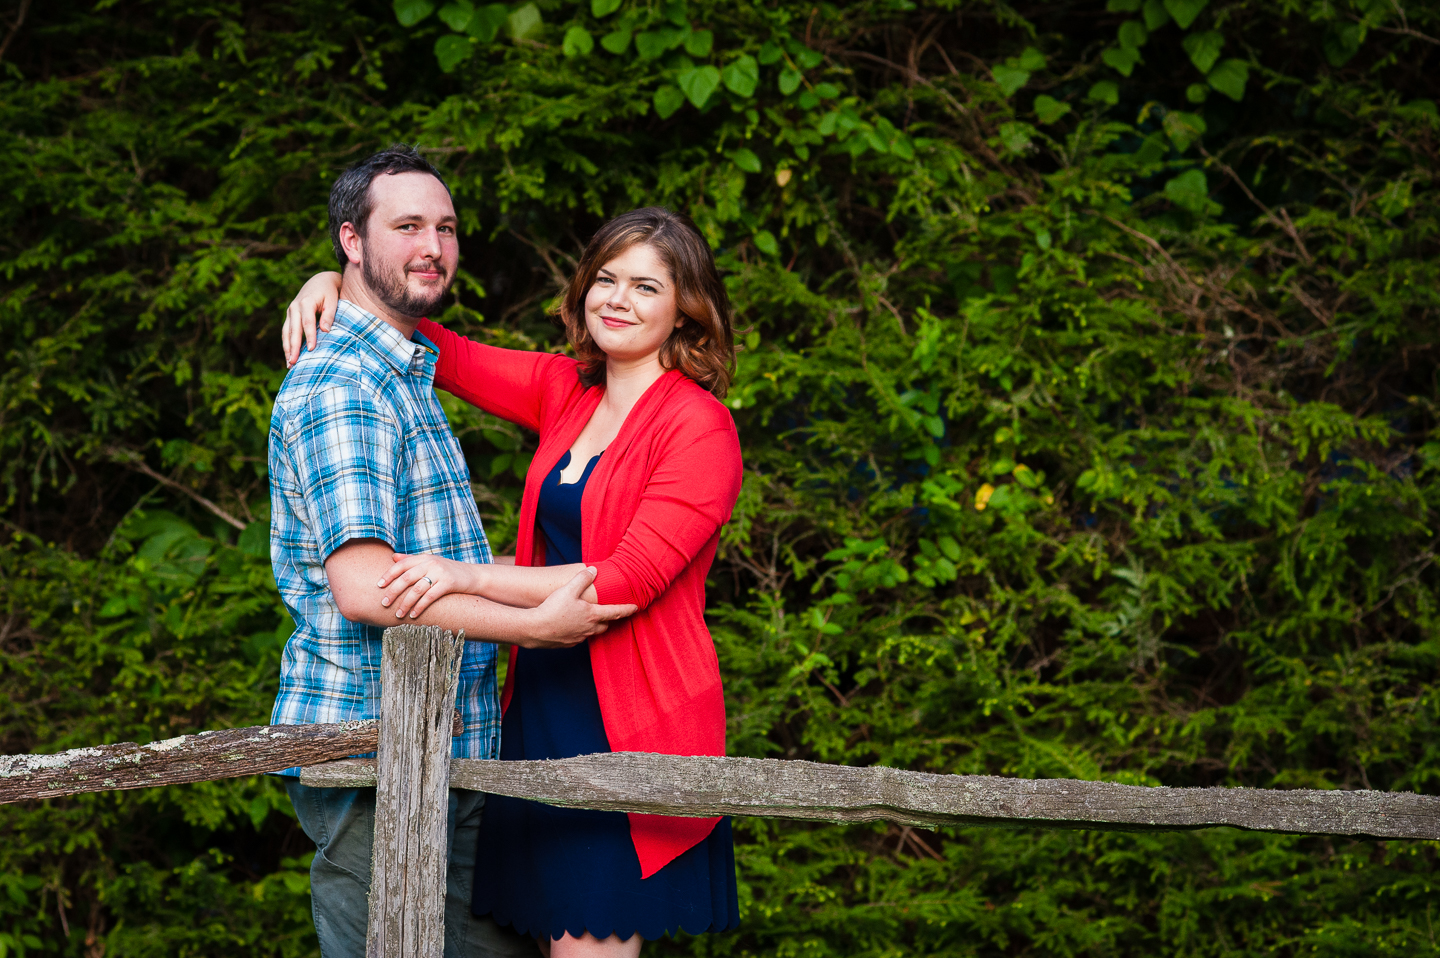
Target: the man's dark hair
(350, 196)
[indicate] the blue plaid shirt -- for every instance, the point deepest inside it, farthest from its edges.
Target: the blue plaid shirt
(360, 449)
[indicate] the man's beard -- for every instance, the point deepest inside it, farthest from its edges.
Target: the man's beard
(391, 288)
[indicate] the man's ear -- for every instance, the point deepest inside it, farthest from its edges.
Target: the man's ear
(351, 242)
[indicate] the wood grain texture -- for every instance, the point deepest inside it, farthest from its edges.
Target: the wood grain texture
(419, 674)
(226, 753)
(704, 786)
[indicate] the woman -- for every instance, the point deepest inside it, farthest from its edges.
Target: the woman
(638, 468)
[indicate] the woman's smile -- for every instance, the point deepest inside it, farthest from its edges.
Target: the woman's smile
(631, 309)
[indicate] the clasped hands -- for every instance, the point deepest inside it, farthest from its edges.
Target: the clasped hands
(565, 612)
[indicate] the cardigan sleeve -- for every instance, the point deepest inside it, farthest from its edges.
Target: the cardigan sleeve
(514, 384)
(689, 496)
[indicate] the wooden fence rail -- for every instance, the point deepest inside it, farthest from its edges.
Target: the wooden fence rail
(413, 769)
(702, 786)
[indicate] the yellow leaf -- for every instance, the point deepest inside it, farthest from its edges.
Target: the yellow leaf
(982, 496)
(782, 177)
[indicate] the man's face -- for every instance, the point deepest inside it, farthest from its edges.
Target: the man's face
(410, 251)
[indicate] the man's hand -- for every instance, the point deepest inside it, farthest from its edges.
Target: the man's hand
(566, 619)
(562, 620)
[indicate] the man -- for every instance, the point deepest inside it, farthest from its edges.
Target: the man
(363, 465)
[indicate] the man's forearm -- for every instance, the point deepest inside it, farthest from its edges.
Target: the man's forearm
(562, 619)
(354, 569)
(479, 618)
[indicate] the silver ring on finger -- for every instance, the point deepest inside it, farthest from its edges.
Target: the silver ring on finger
(428, 579)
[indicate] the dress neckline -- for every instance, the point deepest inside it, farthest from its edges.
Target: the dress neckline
(584, 474)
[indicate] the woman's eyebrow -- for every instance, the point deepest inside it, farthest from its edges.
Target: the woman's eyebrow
(647, 279)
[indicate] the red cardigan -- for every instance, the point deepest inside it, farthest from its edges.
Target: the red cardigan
(651, 518)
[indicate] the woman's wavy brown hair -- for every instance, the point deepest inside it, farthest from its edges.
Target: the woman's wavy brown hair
(702, 347)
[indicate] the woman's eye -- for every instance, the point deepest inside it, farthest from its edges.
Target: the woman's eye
(646, 287)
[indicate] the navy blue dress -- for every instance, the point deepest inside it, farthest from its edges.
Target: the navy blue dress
(546, 870)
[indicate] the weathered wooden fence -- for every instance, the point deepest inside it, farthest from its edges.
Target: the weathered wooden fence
(413, 769)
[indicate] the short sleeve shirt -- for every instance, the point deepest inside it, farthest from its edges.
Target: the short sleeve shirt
(360, 449)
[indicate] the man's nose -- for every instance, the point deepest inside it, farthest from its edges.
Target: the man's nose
(430, 243)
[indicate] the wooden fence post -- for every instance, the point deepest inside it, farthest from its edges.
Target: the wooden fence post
(419, 673)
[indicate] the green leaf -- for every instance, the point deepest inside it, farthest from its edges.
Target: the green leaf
(115, 605)
(525, 22)
(1397, 198)
(741, 76)
(1230, 77)
(699, 83)
(617, 42)
(1122, 6)
(1422, 108)
(578, 42)
(603, 8)
(1197, 93)
(674, 11)
(259, 810)
(411, 12)
(1122, 59)
(1183, 129)
(1204, 48)
(1010, 78)
(486, 22)
(457, 15)
(1185, 11)
(1153, 149)
(789, 81)
(452, 50)
(1156, 16)
(699, 43)
(1030, 59)
(655, 43)
(1048, 109)
(1105, 91)
(1341, 42)
(1015, 137)
(771, 53)
(746, 160)
(255, 539)
(1133, 34)
(765, 243)
(1189, 190)
(668, 99)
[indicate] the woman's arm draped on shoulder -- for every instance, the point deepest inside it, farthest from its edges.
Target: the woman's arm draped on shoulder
(690, 494)
(511, 383)
(317, 298)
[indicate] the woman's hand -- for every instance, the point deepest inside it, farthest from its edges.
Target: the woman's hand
(415, 581)
(318, 297)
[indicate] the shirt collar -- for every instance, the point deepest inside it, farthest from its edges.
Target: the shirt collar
(408, 357)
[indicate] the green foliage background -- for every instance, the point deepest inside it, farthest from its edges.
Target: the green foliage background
(1088, 399)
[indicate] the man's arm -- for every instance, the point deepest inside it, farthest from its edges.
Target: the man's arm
(563, 619)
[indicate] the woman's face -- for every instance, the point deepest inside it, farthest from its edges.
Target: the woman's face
(631, 309)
